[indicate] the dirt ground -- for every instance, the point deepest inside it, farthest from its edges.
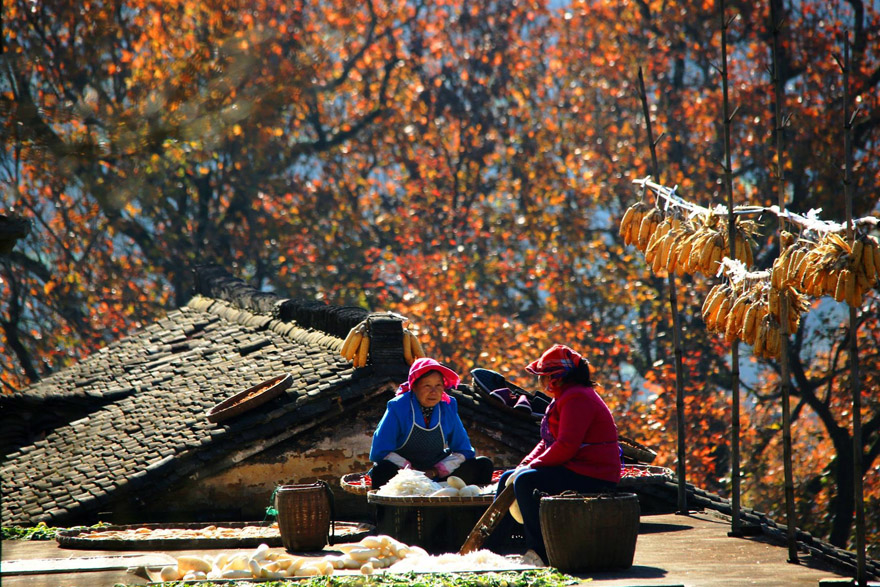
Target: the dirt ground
(671, 550)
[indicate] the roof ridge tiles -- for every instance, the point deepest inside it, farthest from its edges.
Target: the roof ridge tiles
(215, 284)
(290, 330)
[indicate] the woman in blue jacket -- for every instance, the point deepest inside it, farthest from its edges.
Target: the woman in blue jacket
(421, 430)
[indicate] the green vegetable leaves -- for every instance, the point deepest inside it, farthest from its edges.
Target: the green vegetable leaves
(39, 532)
(534, 578)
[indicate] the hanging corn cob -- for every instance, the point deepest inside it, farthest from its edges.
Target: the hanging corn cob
(716, 306)
(750, 311)
(356, 346)
(675, 240)
(709, 244)
(631, 223)
(647, 227)
(833, 268)
(412, 348)
(655, 243)
(683, 247)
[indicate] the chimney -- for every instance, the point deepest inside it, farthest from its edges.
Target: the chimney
(386, 344)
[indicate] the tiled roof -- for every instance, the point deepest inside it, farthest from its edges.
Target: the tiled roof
(146, 396)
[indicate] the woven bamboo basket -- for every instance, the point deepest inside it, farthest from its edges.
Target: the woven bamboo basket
(304, 515)
(590, 532)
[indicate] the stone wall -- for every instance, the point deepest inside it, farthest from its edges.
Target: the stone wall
(243, 492)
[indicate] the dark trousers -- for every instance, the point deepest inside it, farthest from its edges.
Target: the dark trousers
(475, 471)
(546, 480)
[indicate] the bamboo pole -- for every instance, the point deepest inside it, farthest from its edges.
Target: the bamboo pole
(812, 223)
(681, 469)
(861, 574)
(784, 367)
(735, 529)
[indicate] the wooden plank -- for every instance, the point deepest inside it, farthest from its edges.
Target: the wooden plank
(489, 520)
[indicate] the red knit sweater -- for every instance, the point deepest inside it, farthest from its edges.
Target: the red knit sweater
(585, 433)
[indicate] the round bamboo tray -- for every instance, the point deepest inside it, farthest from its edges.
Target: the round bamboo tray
(162, 536)
(635, 475)
(437, 524)
(425, 501)
(74, 538)
(357, 483)
(249, 398)
(361, 484)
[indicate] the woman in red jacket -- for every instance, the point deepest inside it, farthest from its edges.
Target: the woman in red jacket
(578, 449)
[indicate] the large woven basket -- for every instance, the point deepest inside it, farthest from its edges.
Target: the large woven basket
(590, 532)
(304, 515)
(437, 524)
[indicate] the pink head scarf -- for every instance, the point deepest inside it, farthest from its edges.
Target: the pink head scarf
(424, 366)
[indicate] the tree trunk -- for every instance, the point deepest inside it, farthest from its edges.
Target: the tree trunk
(10, 328)
(843, 502)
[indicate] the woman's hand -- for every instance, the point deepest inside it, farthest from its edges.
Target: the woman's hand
(432, 473)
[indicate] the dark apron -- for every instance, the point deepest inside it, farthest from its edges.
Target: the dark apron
(424, 447)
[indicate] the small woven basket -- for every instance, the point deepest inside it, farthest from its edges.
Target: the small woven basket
(590, 532)
(304, 515)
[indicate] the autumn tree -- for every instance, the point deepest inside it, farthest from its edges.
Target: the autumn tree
(175, 135)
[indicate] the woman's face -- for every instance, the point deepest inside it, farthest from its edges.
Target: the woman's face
(549, 385)
(429, 389)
